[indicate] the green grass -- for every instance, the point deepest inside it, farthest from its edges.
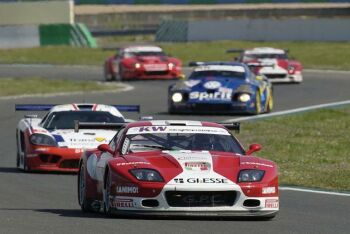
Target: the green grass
(311, 149)
(313, 55)
(36, 85)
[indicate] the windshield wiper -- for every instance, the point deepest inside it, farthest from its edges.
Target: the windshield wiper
(153, 147)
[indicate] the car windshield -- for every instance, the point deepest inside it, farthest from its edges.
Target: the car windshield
(183, 139)
(65, 119)
(143, 53)
(216, 73)
(248, 57)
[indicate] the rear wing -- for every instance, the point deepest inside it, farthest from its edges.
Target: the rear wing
(197, 63)
(235, 126)
(96, 125)
(46, 107)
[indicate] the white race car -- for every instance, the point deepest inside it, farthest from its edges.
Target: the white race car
(53, 143)
(177, 168)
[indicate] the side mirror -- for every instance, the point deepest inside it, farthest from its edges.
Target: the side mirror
(253, 148)
(105, 148)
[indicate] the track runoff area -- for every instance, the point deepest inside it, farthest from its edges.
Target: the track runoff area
(295, 111)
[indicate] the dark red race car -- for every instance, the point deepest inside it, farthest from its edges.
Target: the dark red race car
(141, 62)
(178, 168)
(272, 63)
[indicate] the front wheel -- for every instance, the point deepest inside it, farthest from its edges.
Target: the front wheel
(84, 203)
(106, 196)
(257, 103)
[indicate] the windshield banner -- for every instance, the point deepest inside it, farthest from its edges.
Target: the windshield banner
(177, 129)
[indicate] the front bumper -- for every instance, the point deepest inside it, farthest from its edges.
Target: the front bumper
(241, 206)
(147, 75)
(210, 108)
(54, 159)
(286, 78)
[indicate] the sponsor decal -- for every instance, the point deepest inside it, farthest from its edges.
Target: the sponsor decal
(202, 180)
(256, 164)
(177, 129)
(100, 139)
(132, 163)
(268, 190)
(271, 203)
(118, 202)
(204, 96)
(152, 128)
(197, 166)
(155, 67)
(127, 189)
(212, 85)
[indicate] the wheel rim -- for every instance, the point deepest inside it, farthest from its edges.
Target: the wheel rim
(81, 185)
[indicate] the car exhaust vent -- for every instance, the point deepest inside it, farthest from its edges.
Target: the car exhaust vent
(251, 203)
(150, 203)
(70, 164)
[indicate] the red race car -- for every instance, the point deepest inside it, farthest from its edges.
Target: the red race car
(177, 168)
(141, 62)
(271, 62)
(53, 143)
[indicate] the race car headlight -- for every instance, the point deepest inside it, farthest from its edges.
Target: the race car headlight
(137, 65)
(250, 175)
(42, 139)
(291, 69)
(244, 97)
(171, 66)
(147, 175)
(176, 97)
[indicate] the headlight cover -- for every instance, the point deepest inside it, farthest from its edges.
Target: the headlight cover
(250, 175)
(137, 65)
(42, 139)
(147, 175)
(244, 97)
(177, 97)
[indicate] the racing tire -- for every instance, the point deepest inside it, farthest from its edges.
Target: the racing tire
(17, 152)
(107, 75)
(107, 209)
(257, 103)
(269, 106)
(84, 203)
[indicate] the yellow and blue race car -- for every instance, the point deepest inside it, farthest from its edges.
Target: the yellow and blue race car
(221, 87)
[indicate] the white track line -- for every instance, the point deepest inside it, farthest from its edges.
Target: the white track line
(287, 112)
(121, 88)
(313, 191)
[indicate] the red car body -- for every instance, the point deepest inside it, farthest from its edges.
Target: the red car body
(141, 62)
(196, 182)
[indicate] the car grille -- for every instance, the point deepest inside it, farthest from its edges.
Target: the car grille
(212, 107)
(156, 73)
(73, 163)
(275, 76)
(49, 158)
(200, 198)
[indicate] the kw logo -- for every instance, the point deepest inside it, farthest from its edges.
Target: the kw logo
(179, 180)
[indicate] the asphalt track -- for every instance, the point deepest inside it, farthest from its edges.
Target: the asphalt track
(47, 203)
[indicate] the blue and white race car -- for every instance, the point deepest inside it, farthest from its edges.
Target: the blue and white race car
(221, 87)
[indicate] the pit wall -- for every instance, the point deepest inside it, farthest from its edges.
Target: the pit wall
(323, 29)
(26, 36)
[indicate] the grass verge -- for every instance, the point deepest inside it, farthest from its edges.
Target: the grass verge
(37, 85)
(313, 55)
(310, 148)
